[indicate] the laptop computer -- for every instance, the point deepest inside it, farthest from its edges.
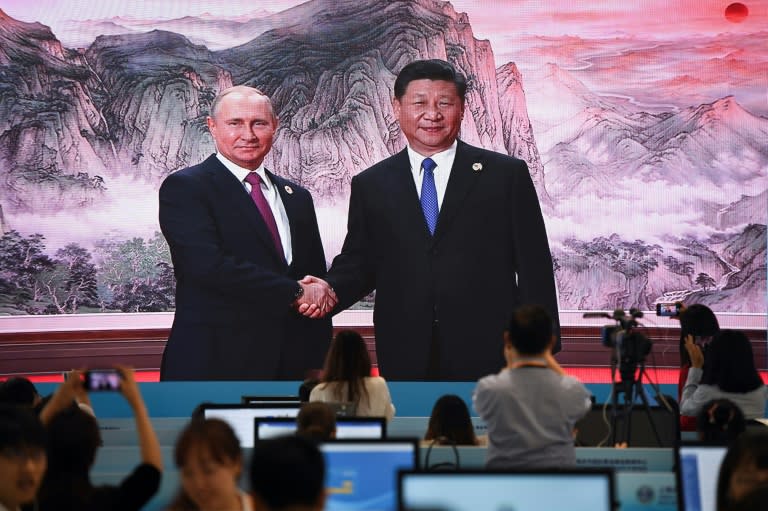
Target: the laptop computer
(240, 416)
(698, 467)
(362, 474)
(494, 490)
(346, 427)
(269, 399)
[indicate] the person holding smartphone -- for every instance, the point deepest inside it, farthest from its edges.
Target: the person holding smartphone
(698, 325)
(727, 372)
(73, 439)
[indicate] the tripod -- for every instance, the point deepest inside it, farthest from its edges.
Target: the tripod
(632, 388)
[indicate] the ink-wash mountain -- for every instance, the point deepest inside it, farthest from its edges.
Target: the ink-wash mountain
(129, 106)
(330, 77)
(49, 127)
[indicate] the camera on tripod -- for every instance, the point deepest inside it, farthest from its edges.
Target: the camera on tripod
(631, 346)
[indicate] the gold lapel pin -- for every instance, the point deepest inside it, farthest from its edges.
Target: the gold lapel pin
(477, 166)
(288, 189)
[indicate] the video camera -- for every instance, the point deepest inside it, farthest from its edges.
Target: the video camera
(631, 346)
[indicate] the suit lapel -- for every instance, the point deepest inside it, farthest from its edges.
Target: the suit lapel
(463, 179)
(234, 193)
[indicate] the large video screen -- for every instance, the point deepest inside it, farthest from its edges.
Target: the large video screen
(644, 126)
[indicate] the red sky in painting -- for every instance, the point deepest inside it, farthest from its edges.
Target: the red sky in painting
(659, 18)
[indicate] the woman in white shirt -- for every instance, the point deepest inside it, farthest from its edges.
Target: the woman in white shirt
(729, 373)
(347, 378)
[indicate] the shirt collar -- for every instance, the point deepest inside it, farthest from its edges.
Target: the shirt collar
(443, 159)
(241, 172)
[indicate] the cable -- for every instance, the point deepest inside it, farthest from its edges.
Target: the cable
(446, 465)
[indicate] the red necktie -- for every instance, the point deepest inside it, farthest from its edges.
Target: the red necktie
(266, 212)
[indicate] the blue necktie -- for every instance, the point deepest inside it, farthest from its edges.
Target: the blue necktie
(429, 194)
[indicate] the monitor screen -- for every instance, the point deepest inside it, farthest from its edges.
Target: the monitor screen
(572, 490)
(241, 416)
(270, 399)
(346, 427)
(362, 474)
(698, 469)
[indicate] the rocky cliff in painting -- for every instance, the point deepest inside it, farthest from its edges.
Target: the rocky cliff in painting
(50, 130)
(136, 103)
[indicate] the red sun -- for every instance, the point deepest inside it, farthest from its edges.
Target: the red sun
(736, 12)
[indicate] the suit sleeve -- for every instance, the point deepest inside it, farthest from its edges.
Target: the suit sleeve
(535, 274)
(351, 274)
(188, 224)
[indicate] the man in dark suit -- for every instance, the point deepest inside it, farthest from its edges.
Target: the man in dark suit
(451, 249)
(240, 238)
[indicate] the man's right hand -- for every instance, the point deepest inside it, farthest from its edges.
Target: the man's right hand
(318, 298)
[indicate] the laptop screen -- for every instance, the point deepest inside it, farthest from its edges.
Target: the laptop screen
(241, 416)
(269, 399)
(572, 490)
(346, 427)
(362, 474)
(698, 469)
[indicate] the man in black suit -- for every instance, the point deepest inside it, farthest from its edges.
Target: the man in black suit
(450, 250)
(240, 238)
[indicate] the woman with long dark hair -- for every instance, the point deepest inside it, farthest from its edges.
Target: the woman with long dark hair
(450, 423)
(347, 378)
(728, 372)
(699, 325)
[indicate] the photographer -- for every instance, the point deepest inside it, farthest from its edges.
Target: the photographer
(531, 405)
(728, 373)
(73, 438)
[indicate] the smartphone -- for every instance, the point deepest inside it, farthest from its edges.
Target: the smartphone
(102, 379)
(668, 309)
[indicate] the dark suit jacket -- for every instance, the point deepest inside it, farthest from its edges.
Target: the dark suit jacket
(488, 255)
(233, 290)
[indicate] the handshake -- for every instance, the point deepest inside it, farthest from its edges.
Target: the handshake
(317, 299)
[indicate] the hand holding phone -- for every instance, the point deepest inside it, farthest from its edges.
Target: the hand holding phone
(102, 380)
(668, 309)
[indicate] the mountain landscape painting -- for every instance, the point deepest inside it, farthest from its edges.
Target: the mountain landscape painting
(644, 126)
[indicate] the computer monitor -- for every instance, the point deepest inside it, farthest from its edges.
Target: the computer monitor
(482, 490)
(346, 427)
(240, 416)
(698, 466)
(362, 474)
(269, 399)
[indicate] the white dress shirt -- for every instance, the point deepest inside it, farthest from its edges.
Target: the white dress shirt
(273, 198)
(442, 172)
